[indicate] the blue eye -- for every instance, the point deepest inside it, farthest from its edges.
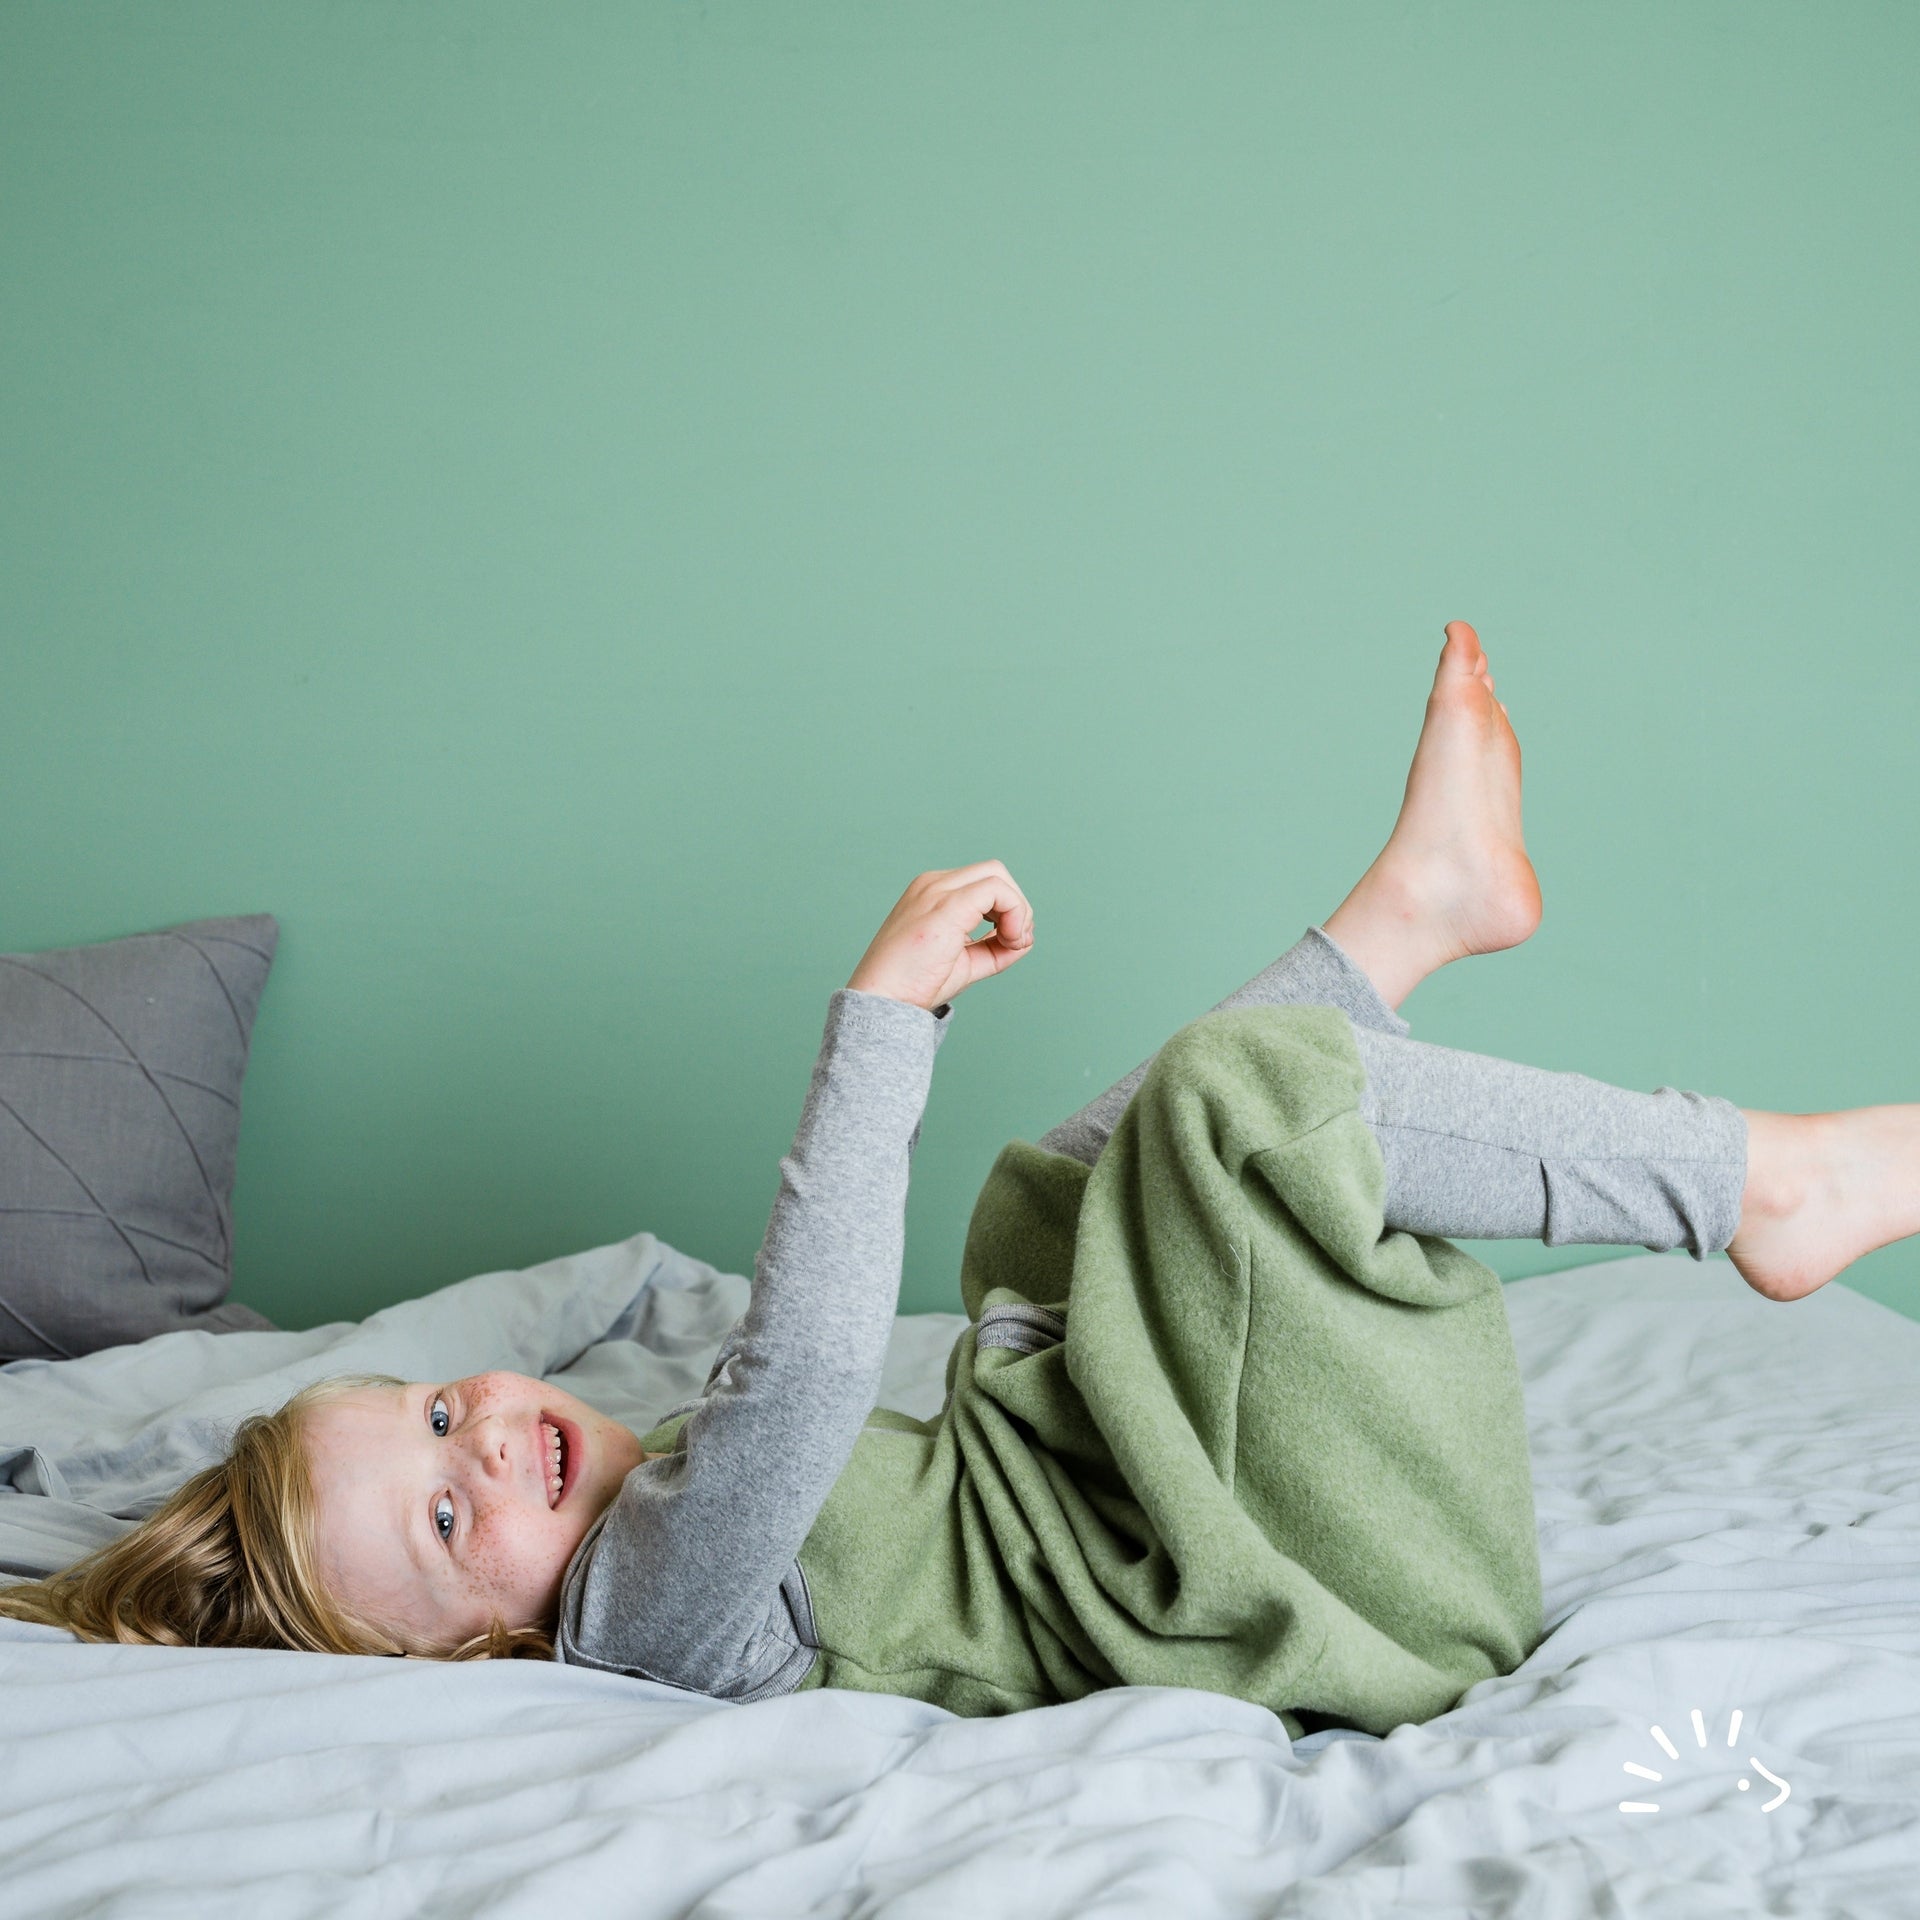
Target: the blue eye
(443, 1517)
(440, 1417)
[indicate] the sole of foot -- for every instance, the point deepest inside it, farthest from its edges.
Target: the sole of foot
(1454, 878)
(1495, 903)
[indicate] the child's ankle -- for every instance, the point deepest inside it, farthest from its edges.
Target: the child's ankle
(1776, 1181)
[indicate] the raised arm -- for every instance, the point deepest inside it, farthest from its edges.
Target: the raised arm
(683, 1579)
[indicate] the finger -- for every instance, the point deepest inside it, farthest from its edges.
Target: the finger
(957, 877)
(989, 955)
(1006, 935)
(995, 897)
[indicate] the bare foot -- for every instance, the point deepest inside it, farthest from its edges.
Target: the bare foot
(1822, 1190)
(1454, 877)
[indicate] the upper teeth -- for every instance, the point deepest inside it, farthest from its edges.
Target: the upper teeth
(553, 1460)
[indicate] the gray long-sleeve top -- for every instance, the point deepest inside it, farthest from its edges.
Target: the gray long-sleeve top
(691, 1576)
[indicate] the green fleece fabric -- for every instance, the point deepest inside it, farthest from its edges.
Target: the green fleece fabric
(1281, 1453)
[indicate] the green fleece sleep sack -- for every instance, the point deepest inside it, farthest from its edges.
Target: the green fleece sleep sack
(1280, 1453)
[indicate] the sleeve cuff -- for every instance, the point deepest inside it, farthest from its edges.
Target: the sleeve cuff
(879, 1013)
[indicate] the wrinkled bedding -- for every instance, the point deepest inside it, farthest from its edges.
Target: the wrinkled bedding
(1728, 1494)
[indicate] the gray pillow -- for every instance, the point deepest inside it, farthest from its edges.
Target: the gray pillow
(120, 1070)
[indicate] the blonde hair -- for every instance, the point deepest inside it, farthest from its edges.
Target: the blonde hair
(231, 1561)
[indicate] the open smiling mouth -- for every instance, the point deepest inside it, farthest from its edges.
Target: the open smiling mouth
(560, 1440)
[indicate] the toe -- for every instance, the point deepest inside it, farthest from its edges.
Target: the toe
(1462, 646)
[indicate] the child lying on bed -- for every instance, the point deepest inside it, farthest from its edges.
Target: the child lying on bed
(1229, 1411)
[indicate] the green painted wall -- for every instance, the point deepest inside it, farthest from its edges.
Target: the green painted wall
(571, 508)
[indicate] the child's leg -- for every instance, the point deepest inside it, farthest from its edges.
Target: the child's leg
(1480, 1148)
(1453, 879)
(1476, 1147)
(1314, 971)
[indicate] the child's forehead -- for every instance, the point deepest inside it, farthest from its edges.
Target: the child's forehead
(362, 1408)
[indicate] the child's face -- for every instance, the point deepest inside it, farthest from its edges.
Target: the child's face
(436, 1504)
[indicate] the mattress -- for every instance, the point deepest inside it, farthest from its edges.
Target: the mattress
(1723, 1716)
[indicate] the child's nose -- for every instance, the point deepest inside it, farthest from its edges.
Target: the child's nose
(487, 1443)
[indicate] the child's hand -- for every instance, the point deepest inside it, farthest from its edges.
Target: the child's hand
(922, 953)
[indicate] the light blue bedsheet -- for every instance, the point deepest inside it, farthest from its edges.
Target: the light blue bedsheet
(1729, 1501)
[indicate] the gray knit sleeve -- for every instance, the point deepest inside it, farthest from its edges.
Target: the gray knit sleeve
(685, 1578)
(1314, 971)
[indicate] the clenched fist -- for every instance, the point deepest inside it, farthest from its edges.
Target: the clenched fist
(923, 953)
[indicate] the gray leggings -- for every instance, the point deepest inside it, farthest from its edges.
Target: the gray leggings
(1483, 1149)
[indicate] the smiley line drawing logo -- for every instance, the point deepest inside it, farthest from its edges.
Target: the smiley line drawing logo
(1700, 1739)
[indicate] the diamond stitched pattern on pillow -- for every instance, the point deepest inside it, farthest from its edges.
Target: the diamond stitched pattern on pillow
(120, 1072)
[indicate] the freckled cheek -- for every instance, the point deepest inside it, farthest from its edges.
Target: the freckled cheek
(510, 1559)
